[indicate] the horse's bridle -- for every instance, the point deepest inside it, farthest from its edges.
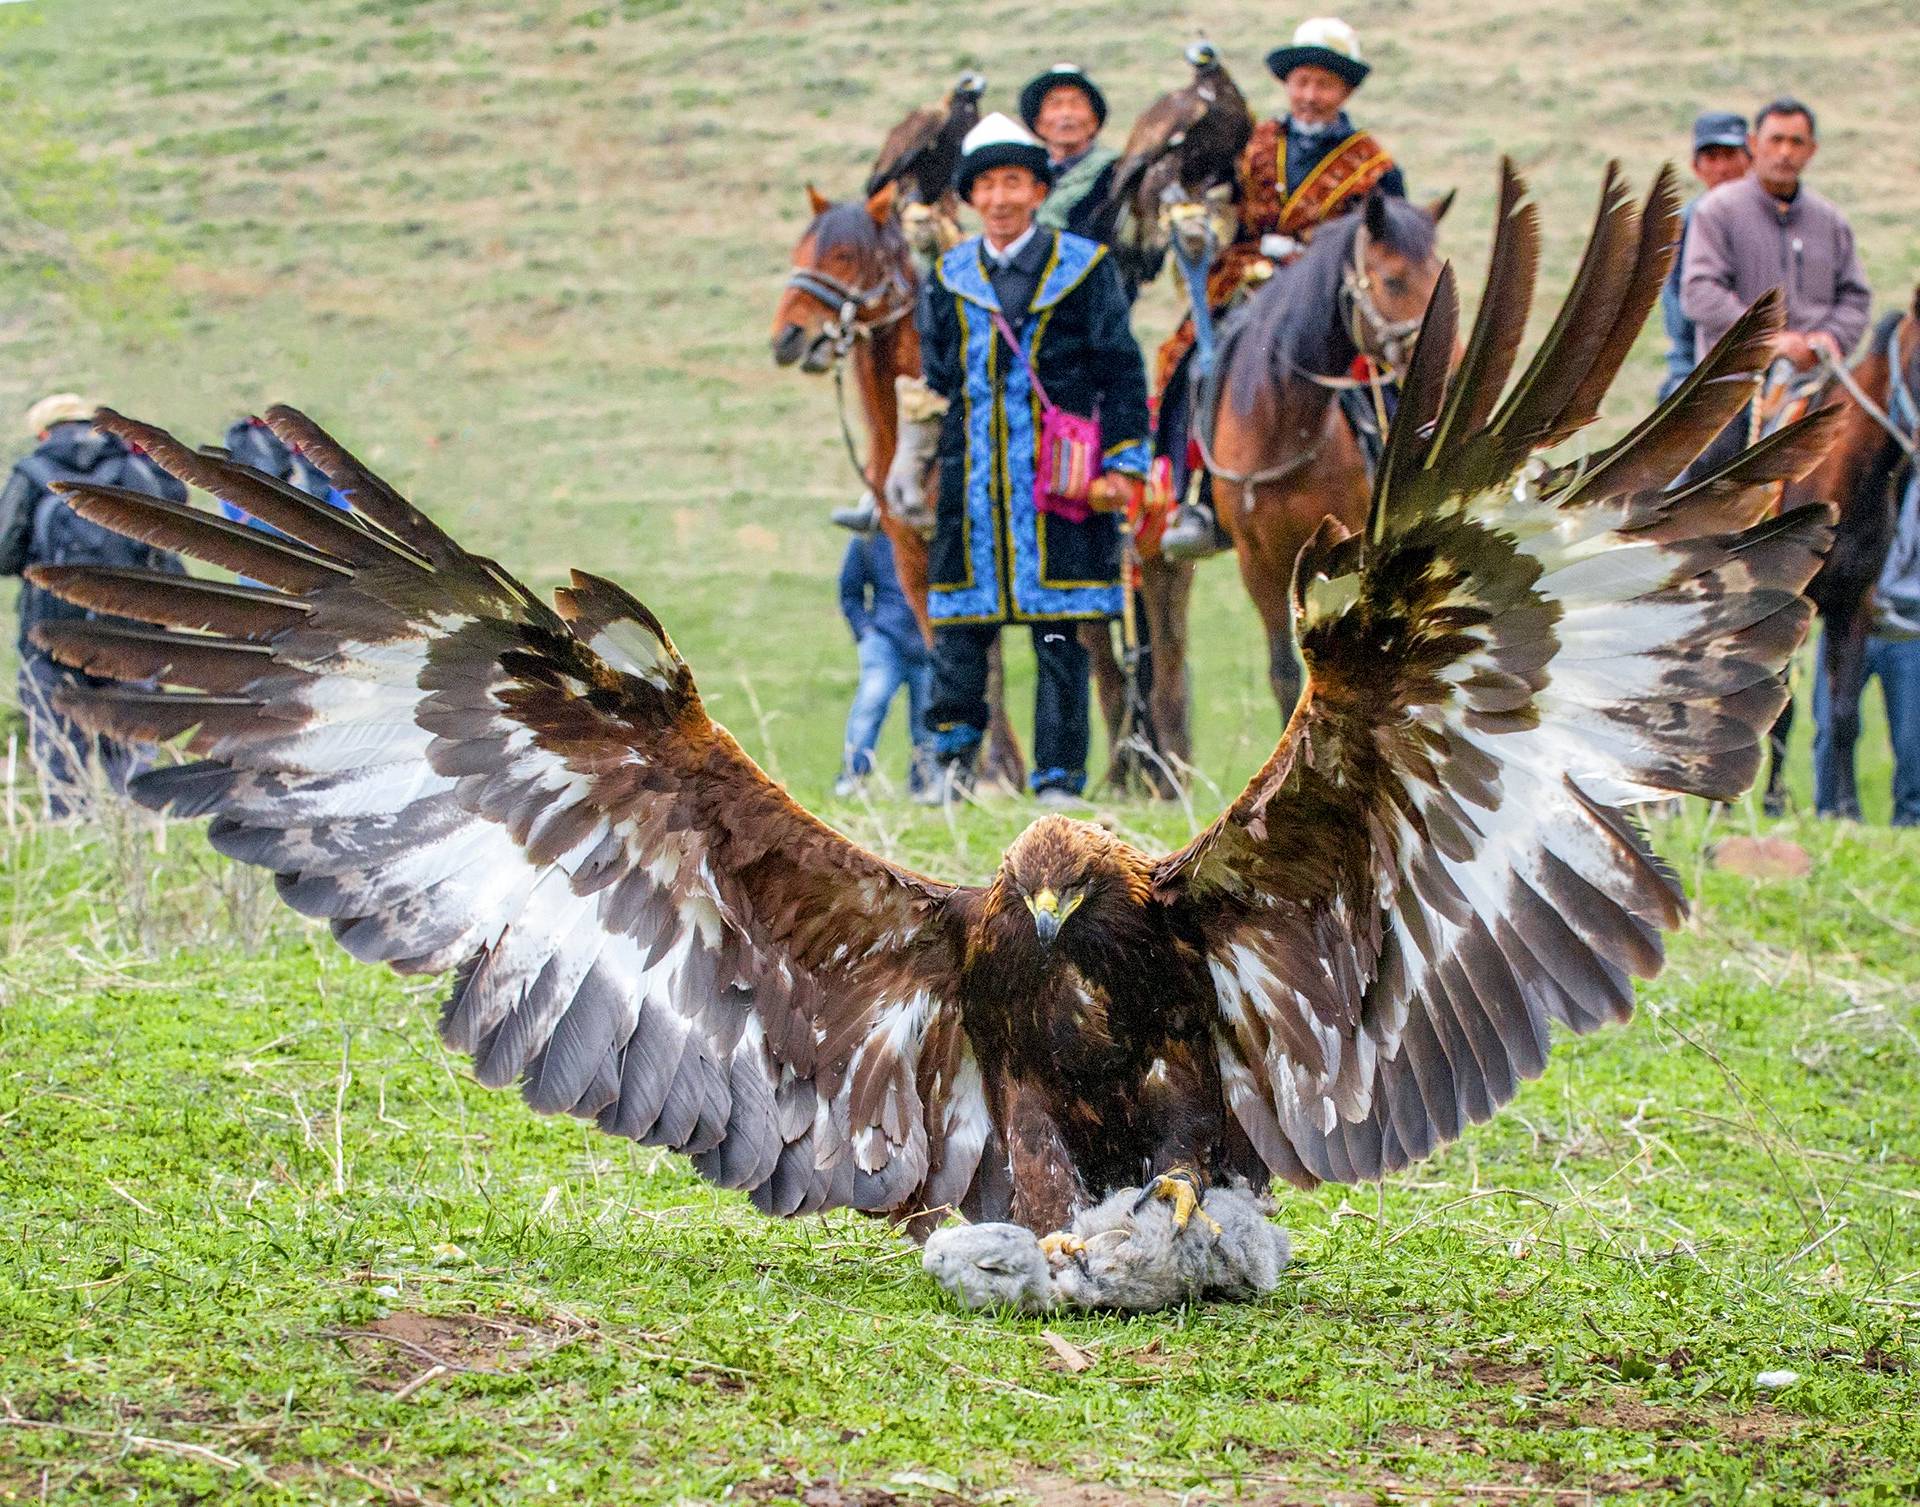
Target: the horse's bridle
(845, 325)
(1386, 342)
(847, 320)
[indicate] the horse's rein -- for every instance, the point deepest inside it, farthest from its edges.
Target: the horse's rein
(1247, 481)
(1899, 394)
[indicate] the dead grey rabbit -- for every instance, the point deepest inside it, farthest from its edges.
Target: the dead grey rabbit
(1138, 1249)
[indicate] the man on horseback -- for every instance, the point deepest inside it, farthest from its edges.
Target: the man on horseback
(1720, 155)
(1023, 334)
(1067, 111)
(1769, 230)
(1295, 174)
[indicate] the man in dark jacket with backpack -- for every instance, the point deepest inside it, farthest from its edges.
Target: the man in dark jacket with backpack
(38, 528)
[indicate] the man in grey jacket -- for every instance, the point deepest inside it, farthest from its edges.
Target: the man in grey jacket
(1769, 230)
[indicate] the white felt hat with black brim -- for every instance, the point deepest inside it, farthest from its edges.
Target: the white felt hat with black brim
(999, 141)
(1325, 42)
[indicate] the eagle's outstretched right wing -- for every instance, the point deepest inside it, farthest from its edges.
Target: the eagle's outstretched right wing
(647, 931)
(1434, 867)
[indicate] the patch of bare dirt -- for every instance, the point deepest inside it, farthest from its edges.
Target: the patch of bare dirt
(400, 1350)
(787, 1488)
(1485, 1371)
(1762, 857)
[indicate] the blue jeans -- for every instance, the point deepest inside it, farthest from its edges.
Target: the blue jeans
(884, 668)
(1897, 663)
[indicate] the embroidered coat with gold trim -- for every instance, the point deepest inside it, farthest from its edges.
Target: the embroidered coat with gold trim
(995, 557)
(1335, 170)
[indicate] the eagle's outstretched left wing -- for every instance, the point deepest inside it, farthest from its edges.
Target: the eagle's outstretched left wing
(1433, 866)
(648, 932)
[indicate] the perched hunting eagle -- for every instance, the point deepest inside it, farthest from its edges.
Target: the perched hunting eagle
(921, 153)
(1187, 142)
(1368, 951)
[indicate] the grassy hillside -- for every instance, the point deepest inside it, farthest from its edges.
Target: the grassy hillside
(523, 257)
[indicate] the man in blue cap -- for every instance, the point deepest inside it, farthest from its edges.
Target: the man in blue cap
(1720, 155)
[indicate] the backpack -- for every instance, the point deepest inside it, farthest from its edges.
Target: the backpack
(60, 536)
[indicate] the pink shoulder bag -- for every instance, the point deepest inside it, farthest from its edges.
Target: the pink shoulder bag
(1069, 454)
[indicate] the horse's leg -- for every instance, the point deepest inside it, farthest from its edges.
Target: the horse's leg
(1004, 760)
(1110, 689)
(1166, 588)
(910, 565)
(1271, 601)
(1843, 646)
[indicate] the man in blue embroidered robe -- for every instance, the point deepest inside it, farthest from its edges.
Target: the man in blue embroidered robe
(996, 558)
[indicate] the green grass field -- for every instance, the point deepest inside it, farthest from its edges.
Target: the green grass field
(262, 1239)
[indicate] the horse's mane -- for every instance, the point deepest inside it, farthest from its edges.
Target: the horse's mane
(849, 225)
(1294, 322)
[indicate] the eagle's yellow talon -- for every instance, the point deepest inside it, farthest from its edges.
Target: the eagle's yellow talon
(1062, 1246)
(1178, 1189)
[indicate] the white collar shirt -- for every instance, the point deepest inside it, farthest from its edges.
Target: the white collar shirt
(1003, 256)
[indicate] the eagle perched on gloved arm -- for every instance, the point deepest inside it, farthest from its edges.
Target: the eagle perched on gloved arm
(1364, 954)
(1184, 144)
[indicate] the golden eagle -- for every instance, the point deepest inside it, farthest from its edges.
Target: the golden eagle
(1365, 953)
(1186, 142)
(921, 153)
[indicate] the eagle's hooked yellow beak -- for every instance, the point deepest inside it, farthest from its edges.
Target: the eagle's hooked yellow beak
(1049, 915)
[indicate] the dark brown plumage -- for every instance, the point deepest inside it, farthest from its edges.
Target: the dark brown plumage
(1186, 142)
(1364, 954)
(921, 153)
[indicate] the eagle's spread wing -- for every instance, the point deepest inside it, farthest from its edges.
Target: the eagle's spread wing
(648, 932)
(1432, 867)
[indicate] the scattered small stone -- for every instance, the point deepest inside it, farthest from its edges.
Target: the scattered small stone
(1762, 857)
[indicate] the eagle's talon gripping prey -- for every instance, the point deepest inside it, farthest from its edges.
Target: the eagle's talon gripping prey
(1363, 955)
(1061, 1247)
(1179, 1188)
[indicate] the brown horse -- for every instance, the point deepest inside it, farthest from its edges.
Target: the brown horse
(850, 297)
(1857, 477)
(1280, 453)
